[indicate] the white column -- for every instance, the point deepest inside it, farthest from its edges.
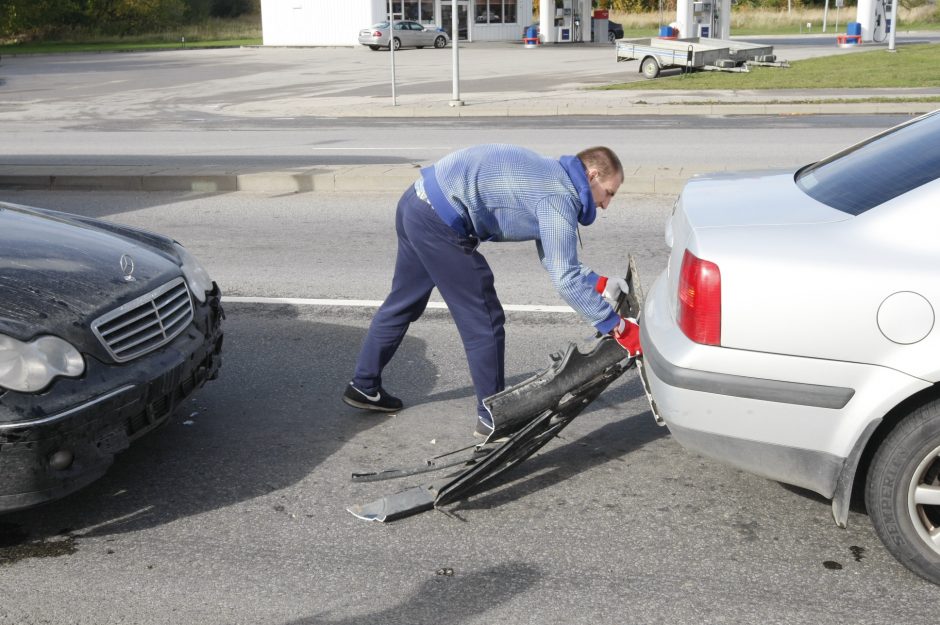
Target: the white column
(547, 20)
(684, 18)
(866, 17)
(471, 19)
(455, 56)
(894, 25)
(724, 19)
(586, 13)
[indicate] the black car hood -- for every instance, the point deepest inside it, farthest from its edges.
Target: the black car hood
(59, 272)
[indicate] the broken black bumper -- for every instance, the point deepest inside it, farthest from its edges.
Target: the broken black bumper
(525, 417)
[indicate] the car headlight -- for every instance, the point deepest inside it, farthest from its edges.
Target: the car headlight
(29, 367)
(196, 275)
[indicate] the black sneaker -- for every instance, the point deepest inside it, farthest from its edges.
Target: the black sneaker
(379, 400)
(482, 429)
(485, 431)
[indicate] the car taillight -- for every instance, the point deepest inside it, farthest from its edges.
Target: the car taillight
(699, 313)
(377, 33)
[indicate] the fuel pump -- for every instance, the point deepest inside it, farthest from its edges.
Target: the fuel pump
(703, 18)
(875, 19)
(565, 22)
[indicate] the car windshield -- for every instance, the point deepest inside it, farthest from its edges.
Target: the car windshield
(380, 25)
(877, 170)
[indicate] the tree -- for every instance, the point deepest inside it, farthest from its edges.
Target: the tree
(128, 17)
(39, 19)
(31, 17)
(232, 8)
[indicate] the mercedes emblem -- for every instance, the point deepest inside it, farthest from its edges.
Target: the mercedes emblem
(127, 266)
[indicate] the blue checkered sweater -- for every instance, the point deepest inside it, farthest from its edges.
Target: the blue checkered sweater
(508, 193)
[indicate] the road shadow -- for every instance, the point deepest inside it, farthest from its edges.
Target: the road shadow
(272, 418)
(449, 597)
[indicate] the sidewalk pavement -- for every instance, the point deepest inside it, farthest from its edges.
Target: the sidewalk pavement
(393, 178)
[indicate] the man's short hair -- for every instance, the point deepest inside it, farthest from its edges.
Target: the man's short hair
(603, 160)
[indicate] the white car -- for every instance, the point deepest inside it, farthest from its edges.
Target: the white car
(793, 333)
(407, 35)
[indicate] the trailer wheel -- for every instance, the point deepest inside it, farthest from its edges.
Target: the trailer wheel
(902, 491)
(649, 67)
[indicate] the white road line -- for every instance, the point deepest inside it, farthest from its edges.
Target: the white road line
(367, 303)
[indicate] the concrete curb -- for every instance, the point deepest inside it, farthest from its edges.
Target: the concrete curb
(372, 178)
(610, 104)
(565, 108)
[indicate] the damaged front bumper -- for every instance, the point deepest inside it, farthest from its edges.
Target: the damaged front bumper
(56, 442)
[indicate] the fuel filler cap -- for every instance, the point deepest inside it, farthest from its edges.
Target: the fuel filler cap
(905, 317)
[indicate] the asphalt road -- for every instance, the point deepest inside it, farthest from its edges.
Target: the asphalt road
(194, 88)
(235, 512)
(701, 142)
(191, 83)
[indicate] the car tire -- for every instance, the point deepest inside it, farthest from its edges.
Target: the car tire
(611, 37)
(902, 491)
(649, 67)
(440, 42)
(397, 43)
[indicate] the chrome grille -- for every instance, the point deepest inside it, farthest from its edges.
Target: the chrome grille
(148, 322)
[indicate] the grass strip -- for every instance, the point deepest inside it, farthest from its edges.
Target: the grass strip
(910, 66)
(117, 46)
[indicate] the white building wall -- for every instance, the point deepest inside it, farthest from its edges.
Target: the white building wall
(318, 22)
(338, 22)
(497, 32)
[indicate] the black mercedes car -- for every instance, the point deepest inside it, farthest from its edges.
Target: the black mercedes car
(104, 330)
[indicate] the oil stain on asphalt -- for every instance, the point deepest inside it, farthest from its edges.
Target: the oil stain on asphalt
(15, 545)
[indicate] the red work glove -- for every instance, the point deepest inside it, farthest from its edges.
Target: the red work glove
(611, 288)
(627, 334)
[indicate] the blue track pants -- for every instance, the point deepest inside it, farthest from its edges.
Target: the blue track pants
(431, 254)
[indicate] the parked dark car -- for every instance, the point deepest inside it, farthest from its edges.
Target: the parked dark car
(614, 30)
(104, 331)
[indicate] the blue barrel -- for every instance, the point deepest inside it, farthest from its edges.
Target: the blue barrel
(531, 32)
(665, 31)
(854, 28)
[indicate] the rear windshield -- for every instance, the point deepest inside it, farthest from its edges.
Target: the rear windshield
(877, 170)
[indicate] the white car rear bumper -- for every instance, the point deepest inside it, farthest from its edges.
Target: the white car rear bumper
(788, 418)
